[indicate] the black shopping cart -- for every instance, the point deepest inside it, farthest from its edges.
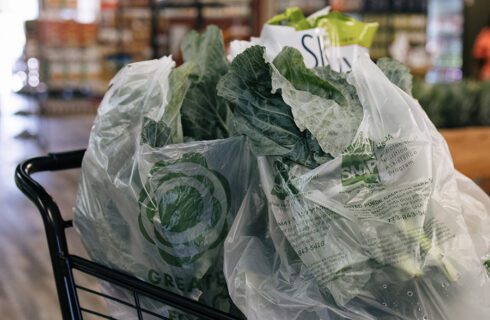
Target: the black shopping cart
(64, 264)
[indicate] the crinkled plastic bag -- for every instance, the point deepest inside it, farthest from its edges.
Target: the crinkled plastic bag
(161, 214)
(386, 230)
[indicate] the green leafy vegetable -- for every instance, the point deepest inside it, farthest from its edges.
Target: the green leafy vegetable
(457, 104)
(205, 116)
(194, 110)
(321, 100)
(155, 134)
(397, 72)
(168, 129)
(482, 109)
(261, 115)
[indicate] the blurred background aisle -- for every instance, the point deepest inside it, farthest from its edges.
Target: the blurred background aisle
(58, 56)
(27, 289)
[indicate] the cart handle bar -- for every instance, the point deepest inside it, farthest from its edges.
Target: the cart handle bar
(50, 212)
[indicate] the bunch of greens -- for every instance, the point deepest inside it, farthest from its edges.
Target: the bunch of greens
(303, 117)
(262, 115)
(194, 110)
(458, 104)
(284, 108)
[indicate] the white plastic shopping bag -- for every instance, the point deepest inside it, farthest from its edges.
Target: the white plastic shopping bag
(386, 230)
(160, 213)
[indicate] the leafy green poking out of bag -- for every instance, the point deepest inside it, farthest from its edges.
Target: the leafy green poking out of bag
(151, 205)
(359, 213)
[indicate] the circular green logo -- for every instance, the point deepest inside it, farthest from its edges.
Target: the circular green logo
(184, 208)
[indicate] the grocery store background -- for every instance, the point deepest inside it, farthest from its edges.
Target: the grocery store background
(57, 57)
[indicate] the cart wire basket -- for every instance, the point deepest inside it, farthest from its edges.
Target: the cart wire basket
(65, 264)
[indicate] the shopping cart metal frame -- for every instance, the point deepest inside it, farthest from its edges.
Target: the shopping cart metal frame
(64, 263)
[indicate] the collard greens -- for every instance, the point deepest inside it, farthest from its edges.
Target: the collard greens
(321, 100)
(205, 115)
(262, 115)
(194, 110)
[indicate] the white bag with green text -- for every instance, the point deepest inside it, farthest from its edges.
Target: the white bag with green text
(388, 229)
(155, 210)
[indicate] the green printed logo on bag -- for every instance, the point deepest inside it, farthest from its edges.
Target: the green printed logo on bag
(183, 209)
(359, 163)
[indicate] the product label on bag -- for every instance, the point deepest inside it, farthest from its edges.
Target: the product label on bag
(324, 38)
(349, 217)
(312, 44)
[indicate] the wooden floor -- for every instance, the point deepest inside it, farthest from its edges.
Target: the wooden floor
(26, 281)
